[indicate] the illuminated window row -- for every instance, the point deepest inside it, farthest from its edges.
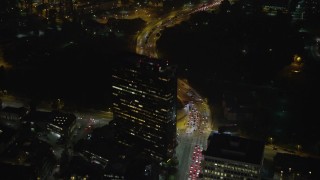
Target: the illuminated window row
(123, 117)
(145, 133)
(164, 79)
(170, 99)
(63, 117)
(150, 121)
(229, 173)
(151, 137)
(134, 107)
(235, 167)
(59, 120)
(133, 85)
(55, 126)
(154, 154)
(151, 118)
(133, 91)
(129, 116)
(149, 112)
(132, 70)
(142, 137)
(146, 86)
(221, 163)
(156, 136)
(124, 143)
(139, 119)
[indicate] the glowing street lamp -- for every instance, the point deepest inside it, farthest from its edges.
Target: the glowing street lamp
(299, 147)
(270, 140)
(297, 59)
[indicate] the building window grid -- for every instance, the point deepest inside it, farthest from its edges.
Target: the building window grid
(151, 117)
(145, 134)
(235, 170)
(133, 91)
(142, 122)
(162, 120)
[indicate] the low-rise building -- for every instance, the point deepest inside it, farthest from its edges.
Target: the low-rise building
(61, 123)
(57, 122)
(36, 121)
(105, 158)
(232, 157)
(12, 116)
(27, 158)
(7, 137)
(273, 7)
(290, 166)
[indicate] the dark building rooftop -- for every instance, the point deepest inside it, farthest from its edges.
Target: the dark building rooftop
(28, 156)
(111, 158)
(10, 171)
(278, 3)
(62, 120)
(304, 165)
(57, 118)
(102, 144)
(20, 111)
(37, 116)
(235, 148)
(6, 134)
(145, 62)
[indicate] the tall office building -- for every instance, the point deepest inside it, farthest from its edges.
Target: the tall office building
(232, 157)
(144, 95)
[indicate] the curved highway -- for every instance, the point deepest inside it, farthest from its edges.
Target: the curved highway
(196, 125)
(147, 38)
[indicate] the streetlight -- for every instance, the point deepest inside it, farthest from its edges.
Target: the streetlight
(297, 59)
(270, 140)
(299, 147)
